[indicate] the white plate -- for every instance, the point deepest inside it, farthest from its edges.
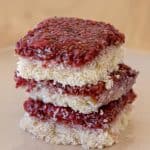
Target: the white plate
(136, 137)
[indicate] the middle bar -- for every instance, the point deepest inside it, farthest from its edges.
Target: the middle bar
(85, 99)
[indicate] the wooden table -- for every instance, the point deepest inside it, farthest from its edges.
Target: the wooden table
(130, 16)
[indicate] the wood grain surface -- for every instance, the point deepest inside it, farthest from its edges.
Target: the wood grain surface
(130, 16)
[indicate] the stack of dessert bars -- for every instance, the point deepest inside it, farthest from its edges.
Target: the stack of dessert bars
(80, 91)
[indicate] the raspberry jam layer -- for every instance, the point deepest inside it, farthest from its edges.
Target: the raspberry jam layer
(65, 115)
(71, 41)
(124, 77)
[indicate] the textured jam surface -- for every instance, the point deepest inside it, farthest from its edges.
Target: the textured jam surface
(66, 115)
(124, 74)
(71, 41)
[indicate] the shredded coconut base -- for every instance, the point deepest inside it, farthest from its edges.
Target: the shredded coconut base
(97, 70)
(60, 134)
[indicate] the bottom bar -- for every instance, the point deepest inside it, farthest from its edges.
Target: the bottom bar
(55, 133)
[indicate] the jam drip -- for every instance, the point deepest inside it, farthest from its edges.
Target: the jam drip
(65, 115)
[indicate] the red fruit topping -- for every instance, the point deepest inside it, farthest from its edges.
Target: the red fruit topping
(71, 41)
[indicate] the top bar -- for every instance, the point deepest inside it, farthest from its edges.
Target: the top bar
(71, 41)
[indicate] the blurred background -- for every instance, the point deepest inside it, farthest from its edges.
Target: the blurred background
(130, 16)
